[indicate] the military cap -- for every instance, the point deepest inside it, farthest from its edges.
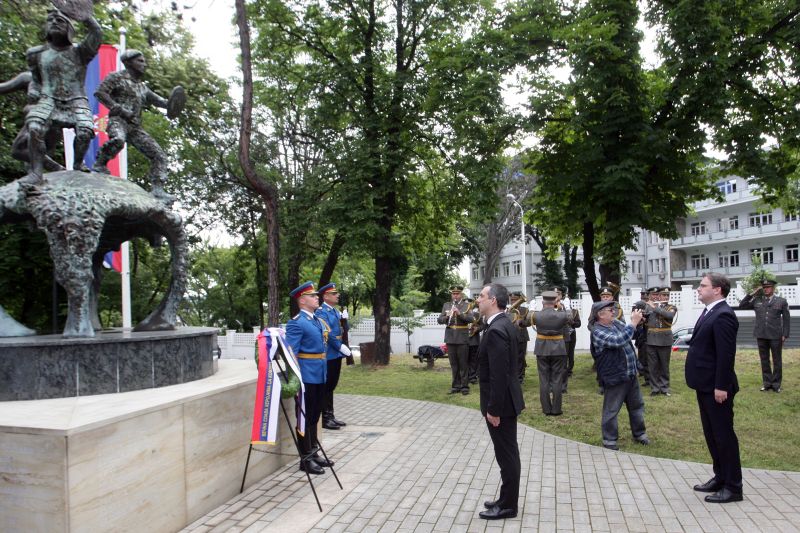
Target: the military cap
(516, 294)
(768, 282)
(663, 290)
(549, 296)
(302, 290)
(597, 306)
(652, 290)
(606, 290)
(456, 288)
(330, 287)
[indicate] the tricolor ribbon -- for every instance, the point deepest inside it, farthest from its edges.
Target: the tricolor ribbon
(268, 387)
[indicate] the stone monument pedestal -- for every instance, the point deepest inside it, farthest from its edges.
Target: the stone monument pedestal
(51, 366)
(150, 460)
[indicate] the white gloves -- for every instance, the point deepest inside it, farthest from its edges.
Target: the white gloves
(345, 350)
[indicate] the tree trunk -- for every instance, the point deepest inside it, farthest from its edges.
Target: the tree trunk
(383, 329)
(259, 278)
(267, 191)
(588, 261)
(333, 258)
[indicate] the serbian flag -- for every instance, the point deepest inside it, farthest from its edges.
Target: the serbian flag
(104, 63)
(268, 387)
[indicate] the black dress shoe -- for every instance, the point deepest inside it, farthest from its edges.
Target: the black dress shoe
(712, 485)
(490, 503)
(724, 496)
(763, 389)
(495, 513)
(311, 467)
(321, 461)
(330, 424)
(611, 447)
(338, 422)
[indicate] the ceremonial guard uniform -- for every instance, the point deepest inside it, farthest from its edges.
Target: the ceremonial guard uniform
(336, 351)
(640, 338)
(660, 316)
(771, 329)
(456, 336)
(518, 313)
(551, 352)
(307, 336)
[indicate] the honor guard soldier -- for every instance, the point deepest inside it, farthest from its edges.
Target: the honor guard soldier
(307, 336)
(456, 336)
(336, 351)
(518, 313)
(476, 326)
(660, 316)
(565, 304)
(771, 330)
(550, 351)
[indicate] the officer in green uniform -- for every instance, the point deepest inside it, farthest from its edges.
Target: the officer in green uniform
(550, 351)
(570, 336)
(661, 315)
(456, 336)
(641, 336)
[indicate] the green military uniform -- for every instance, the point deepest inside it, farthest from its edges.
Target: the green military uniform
(660, 316)
(569, 339)
(474, 330)
(456, 337)
(770, 329)
(551, 353)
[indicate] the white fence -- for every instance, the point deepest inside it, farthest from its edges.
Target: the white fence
(242, 345)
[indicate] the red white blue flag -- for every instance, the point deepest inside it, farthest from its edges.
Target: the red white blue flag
(104, 63)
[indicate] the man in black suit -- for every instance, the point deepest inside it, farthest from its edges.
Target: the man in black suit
(709, 371)
(501, 396)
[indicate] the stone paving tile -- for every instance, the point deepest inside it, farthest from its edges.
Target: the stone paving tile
(412, 466)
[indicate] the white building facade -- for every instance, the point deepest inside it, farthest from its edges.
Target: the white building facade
(719, 236)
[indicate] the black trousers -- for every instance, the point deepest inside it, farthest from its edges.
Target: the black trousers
(570, 342)
(506, 452)
(334, 371)
(771, 377)
(458, 354)
(313, 396)
(723, 445)
(522, 364)
(473, 362)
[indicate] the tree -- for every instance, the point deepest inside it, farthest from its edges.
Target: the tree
(382, 77)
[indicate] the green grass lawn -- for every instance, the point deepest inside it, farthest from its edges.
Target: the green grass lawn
(768, 424)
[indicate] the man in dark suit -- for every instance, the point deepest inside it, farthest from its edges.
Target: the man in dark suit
(709, 371)
(501, 396)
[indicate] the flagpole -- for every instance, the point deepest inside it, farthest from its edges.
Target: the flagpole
(123, 173)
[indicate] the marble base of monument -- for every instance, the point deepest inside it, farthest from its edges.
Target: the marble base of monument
(152, 460)
(51, 366)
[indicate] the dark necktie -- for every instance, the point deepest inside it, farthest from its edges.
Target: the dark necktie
(702, 315)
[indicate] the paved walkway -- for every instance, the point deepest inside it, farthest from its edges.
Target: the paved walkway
(416, 466)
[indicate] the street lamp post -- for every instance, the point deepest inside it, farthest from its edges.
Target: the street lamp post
(522, 236)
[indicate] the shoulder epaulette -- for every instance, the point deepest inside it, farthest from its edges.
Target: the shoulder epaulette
(295, 317)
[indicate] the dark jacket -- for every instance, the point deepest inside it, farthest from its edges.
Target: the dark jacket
(501, 394)
(612, 366)
(772, 316)
(712, 352)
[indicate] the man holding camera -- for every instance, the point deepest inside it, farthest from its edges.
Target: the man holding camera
(771, 331)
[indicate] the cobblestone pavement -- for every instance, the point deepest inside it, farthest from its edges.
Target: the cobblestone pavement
(409, 465)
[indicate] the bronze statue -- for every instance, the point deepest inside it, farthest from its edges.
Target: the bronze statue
(57, 93)
(125, 95)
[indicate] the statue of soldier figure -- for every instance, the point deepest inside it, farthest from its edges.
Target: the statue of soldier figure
(56, 93)
(125, 95)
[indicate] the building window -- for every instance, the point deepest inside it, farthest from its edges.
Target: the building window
(698, 228)
(729, 259)
(760, 219)
(733, 222)
(663, 265)
(474, 273)
(483, 272)
(516, 267)
(496, 271)
(700, 262)
(727, 186)
(640, 266)
(506, 269)
(791, 253)
(789, 217)
(764, 253)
